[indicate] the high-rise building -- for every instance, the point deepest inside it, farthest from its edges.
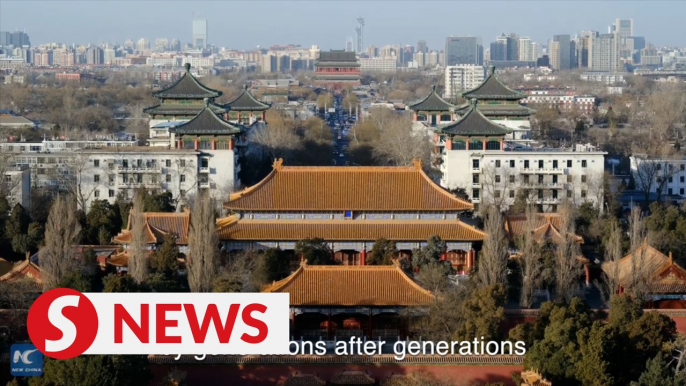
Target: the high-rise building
(175, 45)
(349, 44)
(499, 48)
(94, 56)
(359, 34)
(603, 52)
(422, 47)
(143, 44)
(161, 44)
(462, 78)
(200, 33)
(512, 52)
(559, 51)
(109, 55)
(623, 27)
(5, 39)
(463, 50)
(526, 50)
(17, 39)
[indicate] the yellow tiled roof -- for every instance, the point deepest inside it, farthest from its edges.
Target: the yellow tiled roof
(159, 224)
(356, 188)
(547, 227)
(351, 285)
(231, 228)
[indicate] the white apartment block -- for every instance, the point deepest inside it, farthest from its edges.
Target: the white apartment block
(526, 50)
(381, 64)
(604, 52)
(474, 157)
(603, 77)
(462, 78)
(647, 170)
(564, 101)
(16, 185)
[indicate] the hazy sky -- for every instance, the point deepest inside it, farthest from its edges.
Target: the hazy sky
(247, 24)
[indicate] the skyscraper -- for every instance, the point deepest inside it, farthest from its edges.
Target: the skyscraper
(603, 52)
(499, 48)
(623, 27)
(463, 50)
(200, 33)
(359, 32)
(421, 47)
(560, 54)
(512, 47)
(526, 50)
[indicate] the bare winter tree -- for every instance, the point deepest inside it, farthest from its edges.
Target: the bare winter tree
(567, 266)
(57, 258)
(613, 253)
(654, 173)
(138, 249)
(529, 259)
(492, 265)
(497, 183)
(638, 280)
(203, 257)
(398, 144)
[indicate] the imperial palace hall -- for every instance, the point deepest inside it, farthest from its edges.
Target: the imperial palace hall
(350, 208)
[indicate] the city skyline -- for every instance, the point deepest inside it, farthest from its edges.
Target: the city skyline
(334, 21)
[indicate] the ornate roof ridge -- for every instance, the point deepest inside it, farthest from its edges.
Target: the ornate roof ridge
(187, 76)
(492, 81)
(489, 124)
(417, 104)
(246, 96)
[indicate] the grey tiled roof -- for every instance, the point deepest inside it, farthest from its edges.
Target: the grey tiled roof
(247, 102)
(499, 110)
(432, 102)
(492, 88)
(182, 109)
(473, 123)
(207, 122)
(187, 87)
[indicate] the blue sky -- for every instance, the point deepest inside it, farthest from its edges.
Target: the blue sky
(245, 25)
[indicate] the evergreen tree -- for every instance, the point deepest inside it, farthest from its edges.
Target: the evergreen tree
(165, 259)
(315, 251)
(273, 265)
(77, 281)
(431, 253)
(96, 370)
(119, 283)
(17, 223)
(382, 253)
(659, 373)
(483, 314)
(101, 223)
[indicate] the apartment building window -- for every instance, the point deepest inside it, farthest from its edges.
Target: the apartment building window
(139, 162)
(554, 208)
(555, 194)
(681, 191)
(497, 194)
(96, 178)
(168, 177)
(682, 179)
(512, 179)
(497, 179)
(125, 163)
(96, 193)
(110, 193)
(182, 178)
(525, 179)
(570, 194)
(540, 178)
(512, 163)
(540, 164)
(569, 163)
(669, 191)
(540, 194)
(555, 164)
(554, 178)
(584, 163)
(583, 178)
(670, 180)
(583, 194)
(475, 178)
(512, 194)
(139, 178)
(8, 178)
(526, 164)
(153, 179)
(167, 163)
(475, 193)
(497, 163)
(475, 164)
(682, 166)
(96, 163)
(111, 178)
(569, 178)
(182, 163)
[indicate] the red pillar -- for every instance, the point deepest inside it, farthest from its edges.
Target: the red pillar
(444, 256)
(264, 116)
(587, 272)
(179, 145)
(414, 117)
(226, 116)
(502, 145)
(195, 146)
(484, 142)
(232, 143)
(363, 257)
(238, 116)
(467, 143)
(449, 144)
(214, 144)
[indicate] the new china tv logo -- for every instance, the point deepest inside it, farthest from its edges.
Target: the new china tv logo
(65, 323)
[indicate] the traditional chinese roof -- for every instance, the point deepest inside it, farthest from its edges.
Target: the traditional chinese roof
(157, 225)
(473, 123)
(666, 275)
(182, 109)
(492, 88)
(346, 188)
(547, 227)
(247, 102)
(24, 270)
(207, 122)
(187, 88)
(298, 379)
(432, 102)
(351, 285)
(232, 228)
(352, 377)
(337, 58)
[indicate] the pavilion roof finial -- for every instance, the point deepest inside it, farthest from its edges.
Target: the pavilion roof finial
(245, 87)
(491, 70)
(433, 87)
(671, 259)
(207, 102)
(187, 66)
(474, 102)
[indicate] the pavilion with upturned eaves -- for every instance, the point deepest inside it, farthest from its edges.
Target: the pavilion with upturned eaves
(246, 109)
(350, 208)
(473, 131)
(433, 109)
(501, 104)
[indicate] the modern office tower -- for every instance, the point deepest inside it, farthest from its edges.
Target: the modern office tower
(349, 44)
(422, 47)
(499, 48)
(94, 56)
(603, 52)
(559, 51)
(175, 45)
(200, 33)
(359, 30)
(17, 39)
(512, 47)
(623, 27)
(526, 50)
(109, 55)
(463, 50)
(5, 38)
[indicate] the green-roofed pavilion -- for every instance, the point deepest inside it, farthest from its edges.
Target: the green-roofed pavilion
(244, 106)
(473, 131)
(206, 131)
(432, 109)
(493, 89)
